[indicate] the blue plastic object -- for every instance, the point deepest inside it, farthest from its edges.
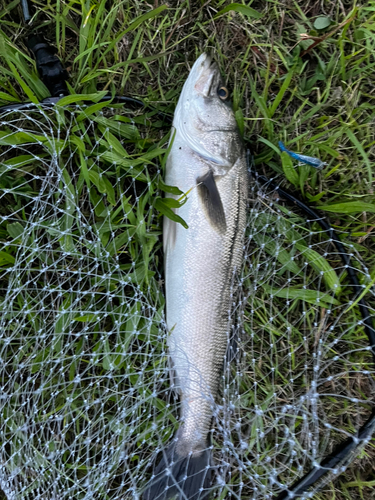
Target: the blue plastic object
(307, 160)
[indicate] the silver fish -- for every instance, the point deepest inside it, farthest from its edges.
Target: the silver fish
(208, 155)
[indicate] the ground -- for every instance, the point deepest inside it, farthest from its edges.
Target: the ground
(300, 72)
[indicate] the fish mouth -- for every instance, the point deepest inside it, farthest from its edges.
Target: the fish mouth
(207, 62)
(203, 74)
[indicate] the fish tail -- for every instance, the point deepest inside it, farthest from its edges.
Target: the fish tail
(186, 477)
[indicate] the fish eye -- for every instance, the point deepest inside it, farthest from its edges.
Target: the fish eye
(223, 93)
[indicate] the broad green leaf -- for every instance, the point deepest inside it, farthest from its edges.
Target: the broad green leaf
(130, 163)
(173, 203)
(9, 98)
(86, 318)
(169, 189)
(120, 240)
(311, 296)
(84, 168)
(16, 138)
(242, 9)
(116, 144)
(302, 29)
(91, 75)
(322, 22)
(76, 98)
(104, 227)
(269, 144)
(316, 197)
(362, 294)
(97, 200)
(74, 139)
(125, 130)
(15, 230)
(30, 94)
(98, 180)
(6, 258)
(104, 186)
(285, 86)
(289, 169)
(319, 263)
(109, 191)
(282, 255)
(128, 210)
(163, 208)
(16, 162)
(31, 79)
(90, 110)
(349, 207)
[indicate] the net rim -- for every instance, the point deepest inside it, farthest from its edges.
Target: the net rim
(366, 431)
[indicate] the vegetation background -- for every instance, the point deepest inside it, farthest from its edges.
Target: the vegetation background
(301, 72)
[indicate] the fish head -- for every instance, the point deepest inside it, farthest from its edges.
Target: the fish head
(204, 114)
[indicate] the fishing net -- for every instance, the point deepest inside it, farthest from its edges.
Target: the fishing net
(86, 405)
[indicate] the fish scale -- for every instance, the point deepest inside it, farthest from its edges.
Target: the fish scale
(207, 155)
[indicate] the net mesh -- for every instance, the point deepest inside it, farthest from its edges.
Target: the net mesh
(85, 399)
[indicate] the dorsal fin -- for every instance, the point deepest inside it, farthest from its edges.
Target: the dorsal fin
(210, 198)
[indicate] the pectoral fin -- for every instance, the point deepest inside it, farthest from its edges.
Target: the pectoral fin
(169, 233)
(210, 198)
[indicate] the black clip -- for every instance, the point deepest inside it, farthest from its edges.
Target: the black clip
(49, 66)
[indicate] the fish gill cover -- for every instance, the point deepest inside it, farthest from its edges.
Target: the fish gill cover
(86, 406)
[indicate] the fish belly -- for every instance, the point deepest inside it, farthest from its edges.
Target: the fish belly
(199, 267)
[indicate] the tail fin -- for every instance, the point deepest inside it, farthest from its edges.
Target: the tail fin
(187, 478)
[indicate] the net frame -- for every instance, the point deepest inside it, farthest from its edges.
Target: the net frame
(338, 459)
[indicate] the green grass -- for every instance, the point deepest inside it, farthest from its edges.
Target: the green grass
(319, 103)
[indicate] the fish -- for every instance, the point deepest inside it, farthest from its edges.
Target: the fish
(207, 159)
